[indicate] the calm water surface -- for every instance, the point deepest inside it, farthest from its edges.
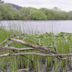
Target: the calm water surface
(38, 26)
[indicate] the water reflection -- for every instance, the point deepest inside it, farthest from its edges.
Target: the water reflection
(38, 26)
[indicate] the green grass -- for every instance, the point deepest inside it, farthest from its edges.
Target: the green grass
(62, 42)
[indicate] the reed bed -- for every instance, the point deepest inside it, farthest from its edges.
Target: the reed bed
(61, 43)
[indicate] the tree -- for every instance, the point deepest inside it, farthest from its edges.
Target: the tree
(8, 12)
(1, 16)
(53, 14)
(25, 13)
(70, 15)
(38, 15)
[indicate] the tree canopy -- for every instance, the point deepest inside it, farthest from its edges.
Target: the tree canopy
(9, 12)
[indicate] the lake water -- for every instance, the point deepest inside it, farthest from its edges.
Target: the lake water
(54, 26)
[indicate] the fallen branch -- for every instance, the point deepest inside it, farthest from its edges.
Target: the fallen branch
(15, 49)
(42, 54)
(23, 70)
(34, 53)
(5, 55)
(41, 48)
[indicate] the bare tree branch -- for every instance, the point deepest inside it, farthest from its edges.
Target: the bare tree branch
(16, 49)
(41, 48)
(34, 53)
(23, 70)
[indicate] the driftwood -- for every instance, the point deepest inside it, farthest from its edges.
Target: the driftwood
(23, 70)
(34, 53)
(46, 51)
(36, 47)
(5, 55)
(43, 49)
(15, 49)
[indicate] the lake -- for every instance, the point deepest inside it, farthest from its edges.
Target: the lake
(32, 27)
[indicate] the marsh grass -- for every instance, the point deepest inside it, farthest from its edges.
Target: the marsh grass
(34, 63)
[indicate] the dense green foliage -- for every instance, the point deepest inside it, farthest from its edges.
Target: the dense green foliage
(10, 12)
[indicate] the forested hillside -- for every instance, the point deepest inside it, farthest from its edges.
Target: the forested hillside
(14, 12)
